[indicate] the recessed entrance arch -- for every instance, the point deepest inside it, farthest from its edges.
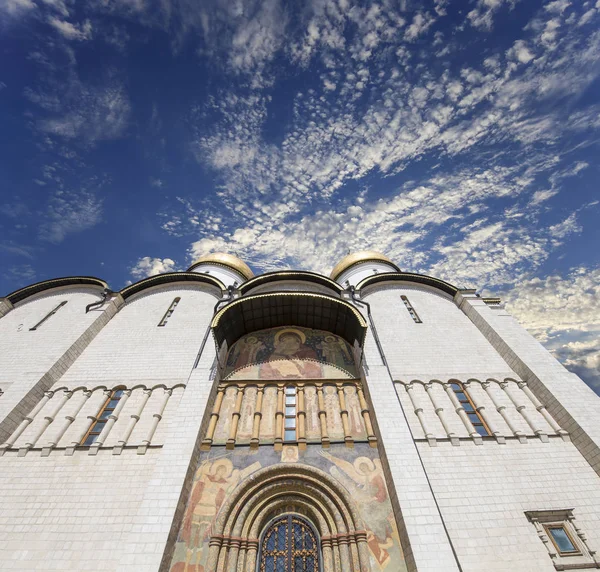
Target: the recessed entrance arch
(289, 543)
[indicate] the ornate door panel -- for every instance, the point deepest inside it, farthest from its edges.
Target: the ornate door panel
(289, 545)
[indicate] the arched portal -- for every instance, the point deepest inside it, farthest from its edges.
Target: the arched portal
(289, 543)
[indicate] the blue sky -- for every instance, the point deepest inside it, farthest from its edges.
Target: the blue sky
(459, 138)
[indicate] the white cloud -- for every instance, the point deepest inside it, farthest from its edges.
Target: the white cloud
(563, 312)
(71, 31)
(420, 24)
(90, 113)
(16, 7)
(482, 15)
(70, 212)
(148, 266)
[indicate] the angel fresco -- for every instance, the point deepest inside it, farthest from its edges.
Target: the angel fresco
(213, 482)
(364, 479)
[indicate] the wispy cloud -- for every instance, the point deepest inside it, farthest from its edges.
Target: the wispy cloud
(70, 212)
(72, 31)
(563, 311)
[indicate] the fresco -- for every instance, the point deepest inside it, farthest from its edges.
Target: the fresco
(358, 470)
(290, 353)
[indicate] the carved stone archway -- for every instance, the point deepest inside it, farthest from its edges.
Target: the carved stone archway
(289, 488)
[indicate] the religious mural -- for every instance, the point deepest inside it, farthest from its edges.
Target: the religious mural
(290, 353)
(358, 470)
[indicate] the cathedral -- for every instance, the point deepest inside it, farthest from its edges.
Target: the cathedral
(214, 420)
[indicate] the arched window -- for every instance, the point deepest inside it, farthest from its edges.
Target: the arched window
(289, 544)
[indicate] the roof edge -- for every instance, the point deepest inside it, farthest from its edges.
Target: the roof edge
(168, 277)
(281, 275)
(409, 277)
(27, 291)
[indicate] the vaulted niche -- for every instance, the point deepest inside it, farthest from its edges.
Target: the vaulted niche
(290, 353)
(289, 310)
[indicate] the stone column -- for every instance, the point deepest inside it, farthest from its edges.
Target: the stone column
(54, 441)
(366, 416)
(279, 419)
(544, 412)
(482, 412)
(502, 410)
(301, 412)
(522, 409)
(322, 416)
(112, 419)
(460, 410)
(344, 413)
(440, 413)
(255, 439)
(135, 417)
(419, 413)
(46, 422)
(214, 418)
(157, 417)
(26, 422)
(235, 417)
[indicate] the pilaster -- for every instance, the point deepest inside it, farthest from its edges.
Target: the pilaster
(571, 402)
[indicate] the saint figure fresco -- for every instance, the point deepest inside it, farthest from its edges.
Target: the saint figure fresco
(290, 353)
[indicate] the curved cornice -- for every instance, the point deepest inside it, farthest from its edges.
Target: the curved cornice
(224, 259)
(304, 309)
(27, 291)
(358, 258)
(282, 275)
(409, 277)
(168, 277)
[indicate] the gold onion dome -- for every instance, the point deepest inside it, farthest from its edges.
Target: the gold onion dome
(224, 259)
(357, 258)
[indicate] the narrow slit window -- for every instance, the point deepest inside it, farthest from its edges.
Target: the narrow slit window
(467, 404)
(49, 315)
(411, 310)
(103, 415)
(169, 312)
(289, 421)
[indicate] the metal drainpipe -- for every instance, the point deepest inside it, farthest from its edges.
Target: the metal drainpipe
(105, 294)
(227, 297)
(352, 290)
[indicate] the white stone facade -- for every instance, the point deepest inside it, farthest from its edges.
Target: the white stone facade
(461, 499)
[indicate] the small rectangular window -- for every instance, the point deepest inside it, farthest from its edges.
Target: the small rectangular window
(102, 417)
(561, 539)
(474, 416)
(411, 310)
(49, 315)
(289, 421)
(169, 312)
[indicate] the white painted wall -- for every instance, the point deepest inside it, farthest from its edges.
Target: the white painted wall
(132, 348)
(446, 343)
(27, 355)
(483, 492)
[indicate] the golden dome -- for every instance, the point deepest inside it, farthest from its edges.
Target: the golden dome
(358, 257)
(225, 259)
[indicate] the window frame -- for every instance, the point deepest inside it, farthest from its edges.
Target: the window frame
(289, 395)
(576, 549)
(48, 316)
(469, 401)
(411, 311)
(102, 422)
(169, 312)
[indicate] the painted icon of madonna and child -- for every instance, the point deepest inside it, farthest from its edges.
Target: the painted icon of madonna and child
(290, 353)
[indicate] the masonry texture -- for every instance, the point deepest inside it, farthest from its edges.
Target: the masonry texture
(376, 419)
